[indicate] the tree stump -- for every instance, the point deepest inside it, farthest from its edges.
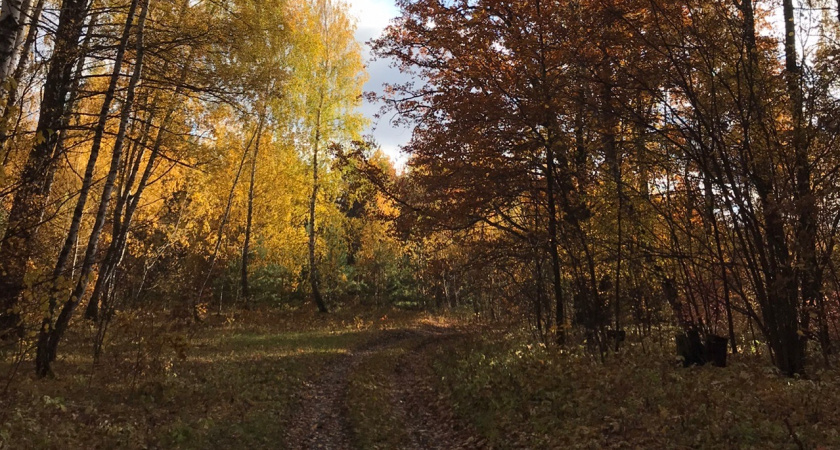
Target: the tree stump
(691, 348)
(716, 350)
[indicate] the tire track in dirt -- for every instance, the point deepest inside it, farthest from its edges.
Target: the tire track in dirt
(430, 420)
(322, 420)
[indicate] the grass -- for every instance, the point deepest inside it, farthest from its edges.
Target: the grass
(233, 382)
(247, 386)
(375, 420)
(520, 395)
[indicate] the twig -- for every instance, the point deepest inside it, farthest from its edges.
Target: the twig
(793, 435)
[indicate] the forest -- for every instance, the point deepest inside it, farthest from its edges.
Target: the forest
(613, 225)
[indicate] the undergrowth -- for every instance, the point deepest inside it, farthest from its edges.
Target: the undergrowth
(520, 395)
(230, 382)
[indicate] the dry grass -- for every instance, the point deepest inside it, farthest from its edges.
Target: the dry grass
(526, 396)
(230, 382)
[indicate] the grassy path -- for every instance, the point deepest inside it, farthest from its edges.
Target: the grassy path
(380, 395)
(399, 380)
(322, 419)
(267, 380)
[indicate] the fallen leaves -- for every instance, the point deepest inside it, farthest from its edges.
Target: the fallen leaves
(549, 399)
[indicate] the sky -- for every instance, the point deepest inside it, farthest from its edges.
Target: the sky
(372, 17)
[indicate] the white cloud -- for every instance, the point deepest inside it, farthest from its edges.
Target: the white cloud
(373, 14)
(372, 18)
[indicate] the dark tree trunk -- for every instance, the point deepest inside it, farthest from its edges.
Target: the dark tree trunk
(538, 299)
(560, 316)
(549, 171)
(613, 160)
(87, 180)
(30, 203)
(313, 266)
(806, 239)
(724, 276)
(780, 303)
(246, 247)
(48, 347)
(127, 202)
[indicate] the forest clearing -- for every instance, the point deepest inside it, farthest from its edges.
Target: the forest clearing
(609, 224)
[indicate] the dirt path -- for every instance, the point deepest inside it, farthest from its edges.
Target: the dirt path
(322, 421)
(430, 421)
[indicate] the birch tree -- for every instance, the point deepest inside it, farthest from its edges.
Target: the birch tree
(325, 92)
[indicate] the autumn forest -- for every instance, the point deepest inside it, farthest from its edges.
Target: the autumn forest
(613, 225)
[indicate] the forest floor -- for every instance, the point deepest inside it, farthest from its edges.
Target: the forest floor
(272, 380)
(393, 379)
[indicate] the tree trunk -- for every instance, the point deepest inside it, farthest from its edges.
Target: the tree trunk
(724, 276)
(613, 160)
(246, 291)
(127, 202)
(120, 220)
(809, 268)
(25, 21)
(11, 25)
(560, 316)
(780, 309)
(87, 180)
(313, 266)
(222, 225)
(30, 202)
(48, 348)
(9, 108)
(550, 187)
